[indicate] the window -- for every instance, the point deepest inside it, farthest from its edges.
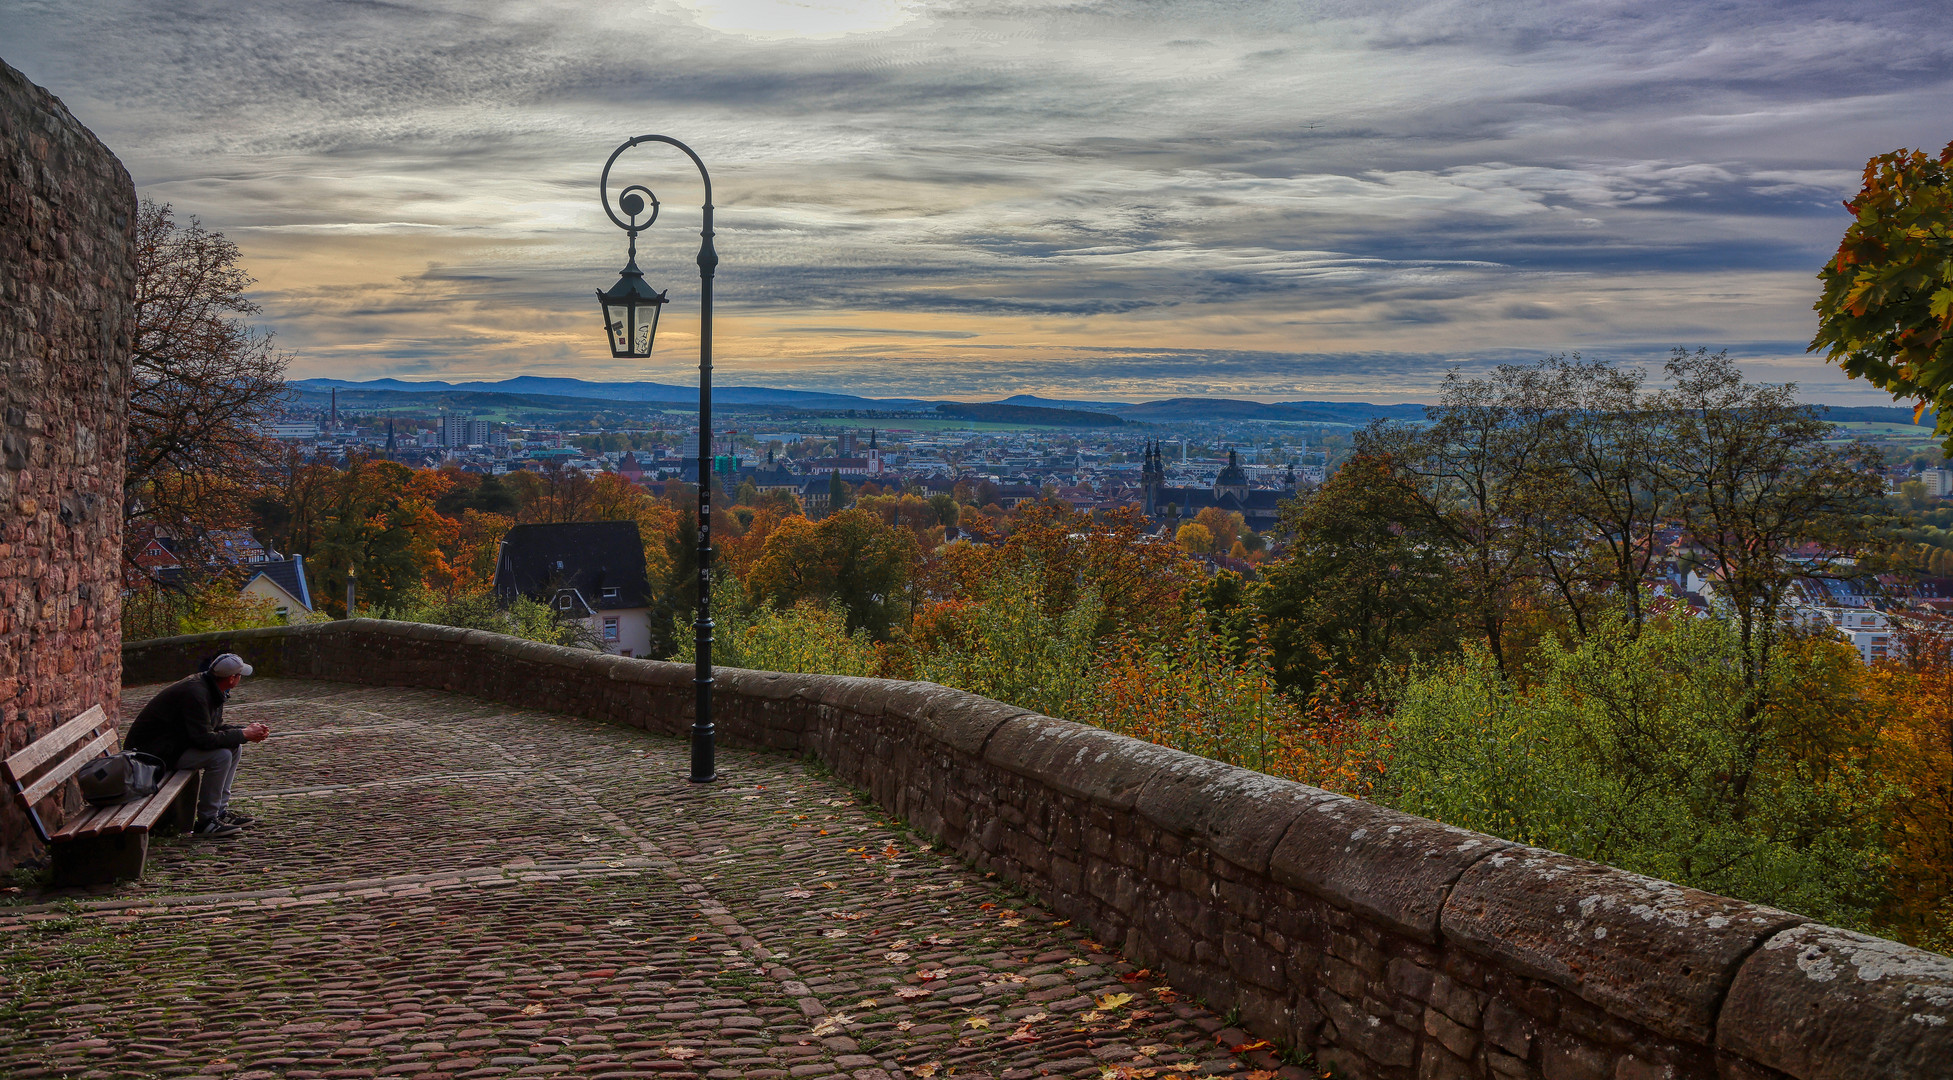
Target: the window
(563, 602)
(610, 628)
(612, 593)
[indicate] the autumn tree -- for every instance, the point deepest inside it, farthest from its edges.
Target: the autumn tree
(1886, 314)
(1138, 582)
(288, 510)
(383, 532)
(202, 385)
(852, 557)
(1195, 537)
(1225, 526)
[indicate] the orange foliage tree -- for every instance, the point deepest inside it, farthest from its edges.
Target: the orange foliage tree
(1138, 580)
(1915, 693)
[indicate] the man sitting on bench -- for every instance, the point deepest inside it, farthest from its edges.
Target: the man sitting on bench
(184, 725)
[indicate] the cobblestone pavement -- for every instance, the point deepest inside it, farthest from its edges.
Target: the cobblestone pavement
(442, 887)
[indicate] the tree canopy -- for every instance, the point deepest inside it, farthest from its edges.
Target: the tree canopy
(1887, 310)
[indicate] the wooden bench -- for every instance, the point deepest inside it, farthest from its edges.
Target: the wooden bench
(98, 844)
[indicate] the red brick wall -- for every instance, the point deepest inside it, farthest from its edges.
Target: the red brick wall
(1391, 946)
(67, 286)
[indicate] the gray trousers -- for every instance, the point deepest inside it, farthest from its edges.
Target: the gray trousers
(219, 767)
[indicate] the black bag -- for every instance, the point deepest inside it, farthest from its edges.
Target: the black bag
(121, 778)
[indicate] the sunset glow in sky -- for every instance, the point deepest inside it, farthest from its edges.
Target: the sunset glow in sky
(973, 198)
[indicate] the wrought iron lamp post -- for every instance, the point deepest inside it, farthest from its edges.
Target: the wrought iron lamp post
(631, 310)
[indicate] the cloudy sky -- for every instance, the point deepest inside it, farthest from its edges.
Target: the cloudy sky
(1334, 200)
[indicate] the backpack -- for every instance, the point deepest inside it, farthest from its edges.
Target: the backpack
(121, 778)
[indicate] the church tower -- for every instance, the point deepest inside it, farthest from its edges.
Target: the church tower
(874, 455)
(1233, 480)
(1152, 478)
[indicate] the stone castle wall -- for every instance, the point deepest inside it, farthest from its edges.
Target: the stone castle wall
(67, 291)
(1392, 946)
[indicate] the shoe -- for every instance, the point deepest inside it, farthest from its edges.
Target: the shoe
(215, 829)
(232, 817)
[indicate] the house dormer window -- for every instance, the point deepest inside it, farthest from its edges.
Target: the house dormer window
(612, 593)
(563, 602)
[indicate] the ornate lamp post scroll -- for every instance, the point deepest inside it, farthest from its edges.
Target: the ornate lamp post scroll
(631, 311)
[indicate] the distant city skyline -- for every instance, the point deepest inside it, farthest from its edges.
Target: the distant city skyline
(978, 198)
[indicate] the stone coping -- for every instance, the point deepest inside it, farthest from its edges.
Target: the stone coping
(1390, 945)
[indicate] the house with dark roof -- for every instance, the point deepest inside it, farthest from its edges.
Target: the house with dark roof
(281, 581)
(588, 571)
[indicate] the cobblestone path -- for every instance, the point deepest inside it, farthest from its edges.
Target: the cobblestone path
(443, 887)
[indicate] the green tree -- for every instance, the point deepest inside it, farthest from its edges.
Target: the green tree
(528, 619)
(1638, 751)
(808, 637)
(1886, 314)
(1764, 492)
(1004, 642)
(1472, 476)
(1367, 584)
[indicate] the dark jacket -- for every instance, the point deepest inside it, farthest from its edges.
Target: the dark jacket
(187, 714)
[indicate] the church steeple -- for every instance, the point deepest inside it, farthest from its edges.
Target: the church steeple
(1152, 479)
(1233, 480)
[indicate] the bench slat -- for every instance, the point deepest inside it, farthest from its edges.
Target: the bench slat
(58, 775)
(86, 823)
(138, 816)
(158, 804)
(51, 744)
(124, 814)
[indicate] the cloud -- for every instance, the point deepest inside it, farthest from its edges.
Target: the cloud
(997, 182)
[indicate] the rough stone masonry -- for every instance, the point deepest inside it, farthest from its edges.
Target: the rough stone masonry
(1390, 946)
(67, 294)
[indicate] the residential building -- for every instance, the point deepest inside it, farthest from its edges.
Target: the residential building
(464, 431)
(282, 581)
(588, 571)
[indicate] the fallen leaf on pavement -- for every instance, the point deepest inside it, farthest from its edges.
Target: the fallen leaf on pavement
(534, 1010)
(829, 1025)
(1112, 1001)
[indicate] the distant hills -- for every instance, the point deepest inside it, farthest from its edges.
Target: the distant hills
(1019, 408)
(1027, 414)
(538, 386)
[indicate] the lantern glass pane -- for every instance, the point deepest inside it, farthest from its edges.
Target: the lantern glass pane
(641, 343)
(617, 326)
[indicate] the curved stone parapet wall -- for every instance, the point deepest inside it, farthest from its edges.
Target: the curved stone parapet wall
(1393, 946)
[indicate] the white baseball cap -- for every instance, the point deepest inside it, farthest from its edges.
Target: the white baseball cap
(229, 664)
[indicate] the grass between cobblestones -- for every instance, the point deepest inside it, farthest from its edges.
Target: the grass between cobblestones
(441, 887)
